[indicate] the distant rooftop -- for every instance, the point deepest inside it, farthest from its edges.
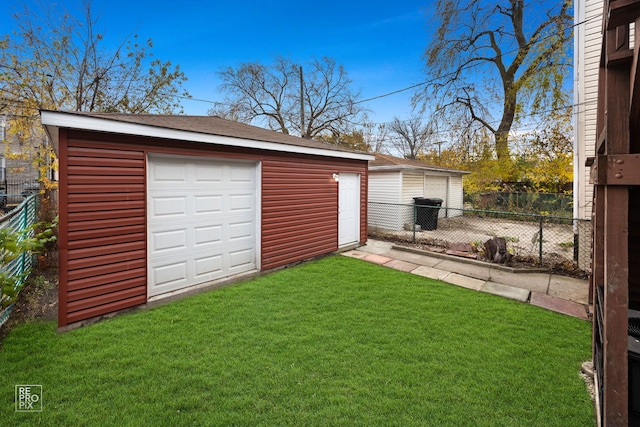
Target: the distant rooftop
(388, 162)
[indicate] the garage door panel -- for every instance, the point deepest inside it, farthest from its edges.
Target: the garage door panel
(240, 230)
(209, 265)
(170, 274)
(169, 206)
(169, 172)
(205, 173)
(169, 239)
(242, 175)
(208, 234)
(240, 259)
(241, 202)
(208, 203)
(202, 221)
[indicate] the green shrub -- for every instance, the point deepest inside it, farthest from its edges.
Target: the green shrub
(14, 244)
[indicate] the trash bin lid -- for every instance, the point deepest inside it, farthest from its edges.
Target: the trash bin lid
(433, 202)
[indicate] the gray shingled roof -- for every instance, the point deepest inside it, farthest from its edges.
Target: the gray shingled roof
(386, 162)
(213, 125)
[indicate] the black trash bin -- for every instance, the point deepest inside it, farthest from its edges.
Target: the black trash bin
(427, 217)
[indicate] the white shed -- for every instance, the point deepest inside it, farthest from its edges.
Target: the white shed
(394, 182)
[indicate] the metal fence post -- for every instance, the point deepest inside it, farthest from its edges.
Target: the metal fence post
(540, 238)
(415, 219)
(576, 240)
(23, 228)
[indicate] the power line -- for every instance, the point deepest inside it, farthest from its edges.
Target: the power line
(599, 16)
(461, 69)
(416, 84)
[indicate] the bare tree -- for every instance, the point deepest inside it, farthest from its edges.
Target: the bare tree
(410, 137)
(376, 135)
(272, 95)
(56, 61)
(507, 58)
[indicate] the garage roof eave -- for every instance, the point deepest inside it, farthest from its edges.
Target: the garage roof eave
(52, 133)
(54, 120)
(392, 168)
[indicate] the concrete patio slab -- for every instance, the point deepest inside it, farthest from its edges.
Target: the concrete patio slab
(559, 305)
(413, 257)
(377, 259)
(430, 272)
(506, 291)
(562, 294)
(355, 254)
(468, 269)
(535, 282)
(397, 264)
(376, 247)
(569, 288)
(464, 281)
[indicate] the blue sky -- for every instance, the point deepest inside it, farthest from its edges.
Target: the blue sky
(380, 43)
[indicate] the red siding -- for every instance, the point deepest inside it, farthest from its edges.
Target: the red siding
(300, 208)
(103, 260)
(299, 211)
(105, 240)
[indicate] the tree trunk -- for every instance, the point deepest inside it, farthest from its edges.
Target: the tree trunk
(502, 143)
(508, 115)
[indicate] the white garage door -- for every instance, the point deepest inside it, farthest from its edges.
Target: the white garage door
(201, 219)
(435, 187)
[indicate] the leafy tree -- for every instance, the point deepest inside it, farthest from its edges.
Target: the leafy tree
(57, 61)
(14, 244)
(549, 158)
(410, 137)
(354, 140)
(447, 157)
(271, 95)
(507, 57)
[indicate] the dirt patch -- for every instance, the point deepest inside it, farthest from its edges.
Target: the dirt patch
(38, 300)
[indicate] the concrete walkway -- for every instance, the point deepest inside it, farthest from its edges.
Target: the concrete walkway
(554, 292)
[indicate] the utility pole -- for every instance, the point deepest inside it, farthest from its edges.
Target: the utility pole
(301, 104)
(439, 144)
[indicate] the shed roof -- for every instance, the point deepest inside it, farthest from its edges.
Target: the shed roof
(207, 129)
(386, 162)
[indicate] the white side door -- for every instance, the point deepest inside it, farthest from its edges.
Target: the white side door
(348, 208)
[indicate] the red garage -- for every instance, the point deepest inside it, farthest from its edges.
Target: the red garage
(152, 206)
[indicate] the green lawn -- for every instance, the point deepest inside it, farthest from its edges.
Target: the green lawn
(333, 342)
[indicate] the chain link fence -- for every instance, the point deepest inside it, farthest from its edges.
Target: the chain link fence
(541, 240)
(18, 221)
(555, 204)
(14, 191)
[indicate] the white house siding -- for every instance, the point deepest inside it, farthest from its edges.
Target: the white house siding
(588, 42)
(385, 188)
(587, 49)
